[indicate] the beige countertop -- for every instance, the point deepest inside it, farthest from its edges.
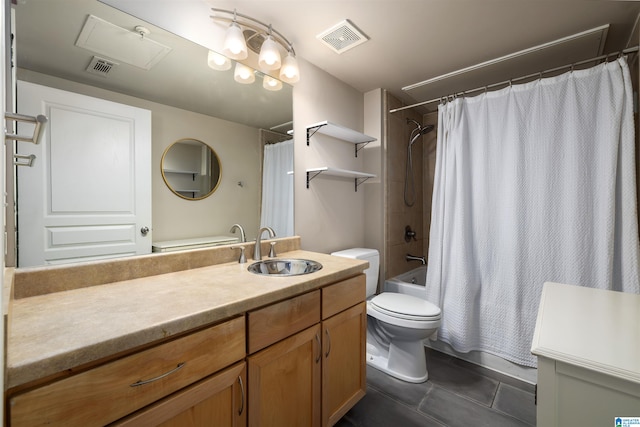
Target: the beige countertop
(50, 333)
(591, 328)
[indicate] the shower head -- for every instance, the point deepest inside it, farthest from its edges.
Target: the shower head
(418, 131)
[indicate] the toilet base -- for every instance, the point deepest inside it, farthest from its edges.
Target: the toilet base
(405, 360)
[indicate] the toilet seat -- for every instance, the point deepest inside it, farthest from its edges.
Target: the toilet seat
(406, 307)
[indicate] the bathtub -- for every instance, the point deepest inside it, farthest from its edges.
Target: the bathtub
(410, 283)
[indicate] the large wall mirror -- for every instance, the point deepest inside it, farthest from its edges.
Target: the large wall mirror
(191, 169)
(185, 97)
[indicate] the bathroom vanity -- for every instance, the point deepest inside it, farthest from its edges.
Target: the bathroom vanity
(212, 342)
(587, 342)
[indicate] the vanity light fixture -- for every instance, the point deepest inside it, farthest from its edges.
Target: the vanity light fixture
(217, 61)
(235, 45)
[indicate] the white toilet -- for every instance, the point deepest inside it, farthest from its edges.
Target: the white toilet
(397, 325)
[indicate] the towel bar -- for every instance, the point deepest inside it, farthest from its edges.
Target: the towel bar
(39, 120)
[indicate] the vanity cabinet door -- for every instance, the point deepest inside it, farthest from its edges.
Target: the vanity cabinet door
(344, 375)
(219, 400)
(284, 382)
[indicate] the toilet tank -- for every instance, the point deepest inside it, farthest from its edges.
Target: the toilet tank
(371, 273)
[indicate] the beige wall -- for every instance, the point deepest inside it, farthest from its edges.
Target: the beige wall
(329, 216)
(374, 161)
(237, 147)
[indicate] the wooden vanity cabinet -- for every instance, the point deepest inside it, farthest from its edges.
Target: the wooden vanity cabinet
(305, 367)
(316, 372)
(118, 388)
(344, 342)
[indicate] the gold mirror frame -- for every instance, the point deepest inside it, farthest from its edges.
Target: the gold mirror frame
(189, 165)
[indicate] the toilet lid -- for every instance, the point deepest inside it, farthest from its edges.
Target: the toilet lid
(405, 306)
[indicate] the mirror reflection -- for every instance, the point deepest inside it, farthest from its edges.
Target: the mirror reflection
(191, 169)
(183, 95)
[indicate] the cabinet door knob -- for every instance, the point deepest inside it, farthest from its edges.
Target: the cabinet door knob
(319, 348)
(326, 331)
(241, 395)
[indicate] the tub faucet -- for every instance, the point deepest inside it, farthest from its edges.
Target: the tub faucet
(257, 253)
(410, 257)
(243, 237)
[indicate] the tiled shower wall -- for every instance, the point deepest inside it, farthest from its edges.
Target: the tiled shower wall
(397, 214)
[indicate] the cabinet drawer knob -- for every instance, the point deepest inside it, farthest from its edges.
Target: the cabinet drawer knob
(166, 374)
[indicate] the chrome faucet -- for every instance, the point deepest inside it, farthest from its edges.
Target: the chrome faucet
(243, 237)
(410, 257)
(257, 253)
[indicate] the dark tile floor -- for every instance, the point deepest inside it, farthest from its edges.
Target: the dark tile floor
(457, 393)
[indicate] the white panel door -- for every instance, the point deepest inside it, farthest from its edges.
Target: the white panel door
(88, 194)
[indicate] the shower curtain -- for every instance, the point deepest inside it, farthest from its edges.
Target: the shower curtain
(277, 188)
(533, 183)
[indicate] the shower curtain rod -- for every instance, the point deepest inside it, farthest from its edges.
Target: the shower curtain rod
(510, 81)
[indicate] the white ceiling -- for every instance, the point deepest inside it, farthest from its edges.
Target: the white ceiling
(46, 35)
(414, 40)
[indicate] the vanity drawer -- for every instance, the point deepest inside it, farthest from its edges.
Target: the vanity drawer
(107, 393)
(277, 321)
(342, 295)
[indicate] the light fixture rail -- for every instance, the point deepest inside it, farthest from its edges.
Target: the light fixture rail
(539, 74)
(252, 24)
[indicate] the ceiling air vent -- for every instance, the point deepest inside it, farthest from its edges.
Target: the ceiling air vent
(100, 66)
(342, 37)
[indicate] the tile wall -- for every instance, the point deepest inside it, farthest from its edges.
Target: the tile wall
(397, 214)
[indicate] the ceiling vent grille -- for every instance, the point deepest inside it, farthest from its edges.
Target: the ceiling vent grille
(100, 66)
(342, 37)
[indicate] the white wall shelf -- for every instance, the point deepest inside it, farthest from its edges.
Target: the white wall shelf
(188, 172)
(340, 132)
(358, 177)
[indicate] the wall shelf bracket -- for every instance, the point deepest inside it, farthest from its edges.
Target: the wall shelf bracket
(311, 130)
(311, 175)
(360, 145)
(359, 181)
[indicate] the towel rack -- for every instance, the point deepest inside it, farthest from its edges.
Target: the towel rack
(39, 120)
(23, 160)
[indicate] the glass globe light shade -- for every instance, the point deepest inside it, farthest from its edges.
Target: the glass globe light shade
(217, 61)
(290, 73)
(269, 55)
(269, 83)
(243, 74)
(235, 46)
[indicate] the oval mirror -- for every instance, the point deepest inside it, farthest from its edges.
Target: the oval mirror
(191, 169)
